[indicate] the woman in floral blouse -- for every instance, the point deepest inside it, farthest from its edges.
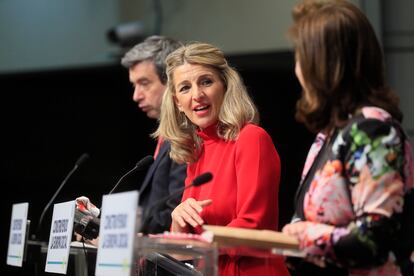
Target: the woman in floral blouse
(358, 176)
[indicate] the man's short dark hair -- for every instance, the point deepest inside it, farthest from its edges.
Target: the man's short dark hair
(154, 48)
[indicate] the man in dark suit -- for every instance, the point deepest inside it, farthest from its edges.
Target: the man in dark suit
(145, 62)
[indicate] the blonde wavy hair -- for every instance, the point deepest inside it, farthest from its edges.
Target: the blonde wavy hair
(236, 111)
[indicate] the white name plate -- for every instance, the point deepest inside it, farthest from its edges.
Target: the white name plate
(17, 234)
(60, 237)
(117, 234)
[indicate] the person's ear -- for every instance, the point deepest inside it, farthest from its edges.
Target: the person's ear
(177, 103)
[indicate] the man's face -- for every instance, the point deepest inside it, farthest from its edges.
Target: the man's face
(148, 89)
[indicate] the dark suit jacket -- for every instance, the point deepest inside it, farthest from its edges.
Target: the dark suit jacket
(164, 177)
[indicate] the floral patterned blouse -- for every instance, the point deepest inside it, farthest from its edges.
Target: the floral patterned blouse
(355, 198)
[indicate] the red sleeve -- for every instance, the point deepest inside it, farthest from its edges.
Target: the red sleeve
(258, 176)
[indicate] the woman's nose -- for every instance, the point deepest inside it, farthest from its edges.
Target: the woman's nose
(197, 93)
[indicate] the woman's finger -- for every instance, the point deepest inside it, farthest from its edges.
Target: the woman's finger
(204, 203)
(192, 210)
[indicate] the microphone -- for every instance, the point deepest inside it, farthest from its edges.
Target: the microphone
(79, 162)
(88, 226)
(141, 165)
(198, 181)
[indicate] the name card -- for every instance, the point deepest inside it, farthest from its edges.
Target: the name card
(17, 234)
(117, 234)
(60, 237)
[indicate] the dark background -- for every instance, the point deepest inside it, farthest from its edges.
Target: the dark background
(50, 118)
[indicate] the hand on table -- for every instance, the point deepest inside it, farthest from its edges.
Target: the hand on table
(188, 213)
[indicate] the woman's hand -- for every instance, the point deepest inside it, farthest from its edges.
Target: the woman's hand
(188, 213)
(296, 229)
